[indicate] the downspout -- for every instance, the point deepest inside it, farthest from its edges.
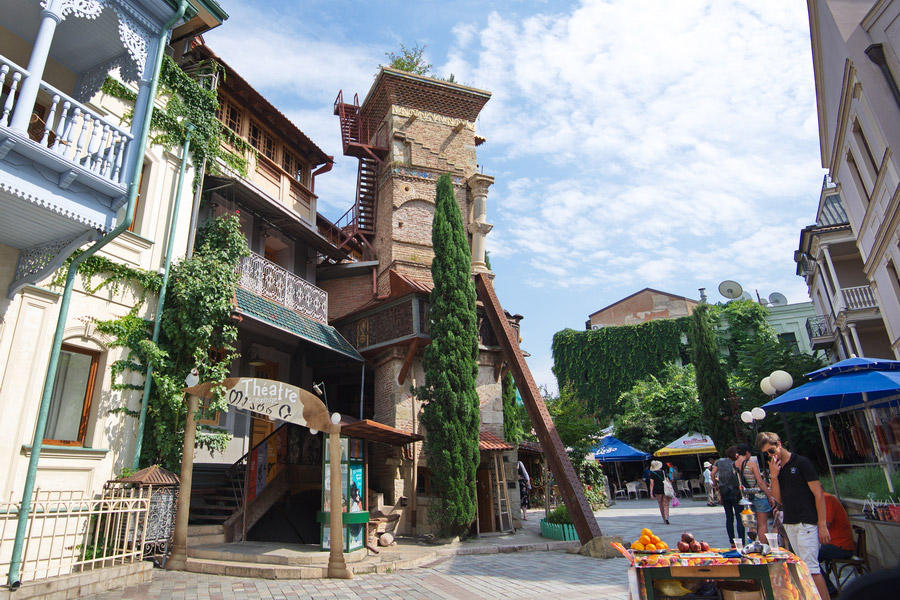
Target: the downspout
(15, 562)
(320, 171)
(148, 380)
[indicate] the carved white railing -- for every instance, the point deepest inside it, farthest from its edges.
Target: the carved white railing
(856, 298)
(266, 279)
(70, 129)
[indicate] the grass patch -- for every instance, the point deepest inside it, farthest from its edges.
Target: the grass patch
(859, 483)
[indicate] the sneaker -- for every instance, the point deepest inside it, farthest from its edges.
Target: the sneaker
(667, 521)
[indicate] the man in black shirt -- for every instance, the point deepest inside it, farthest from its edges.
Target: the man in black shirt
(795, 484)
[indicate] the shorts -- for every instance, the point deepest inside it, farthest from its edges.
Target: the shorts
(761, 505)
(805, 541)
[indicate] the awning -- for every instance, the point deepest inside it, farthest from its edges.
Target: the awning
(615, 450)
(689, 443)
(490, 442)
(272, 313)
(379, 432)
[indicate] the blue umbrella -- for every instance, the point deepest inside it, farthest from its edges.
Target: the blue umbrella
(614, 450)
(841, 386)
(855, 364)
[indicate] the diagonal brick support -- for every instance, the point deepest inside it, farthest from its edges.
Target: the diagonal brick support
(554, 451)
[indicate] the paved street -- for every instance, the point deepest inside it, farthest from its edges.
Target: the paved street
(543, 575)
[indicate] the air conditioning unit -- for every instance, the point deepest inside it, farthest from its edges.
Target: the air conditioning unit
(596, 326)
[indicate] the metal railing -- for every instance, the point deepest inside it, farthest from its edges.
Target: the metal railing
(70, 531)
(266, 279)
(818, 327)
(68, 128)
(860, 297)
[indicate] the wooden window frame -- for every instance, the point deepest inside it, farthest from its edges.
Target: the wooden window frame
(262, 140)
(230, 116)
(88, 395)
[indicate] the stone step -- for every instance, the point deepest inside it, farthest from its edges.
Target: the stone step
(206, 539)
(204, 529)
(255, 570)
(230, 553)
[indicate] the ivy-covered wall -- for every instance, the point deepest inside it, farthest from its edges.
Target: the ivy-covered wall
(602, 363)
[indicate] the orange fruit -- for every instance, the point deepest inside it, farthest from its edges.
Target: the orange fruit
(645, 539)
(646, 532)
(655, 539)
(649, 547)
(662, 546)
(637, 546)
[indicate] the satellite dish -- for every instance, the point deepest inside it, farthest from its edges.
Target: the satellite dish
(730, 289)
(746, 296)
(777, 299)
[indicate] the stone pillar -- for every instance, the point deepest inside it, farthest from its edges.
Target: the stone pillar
(40, 51)
(856, 342)
(478, 226)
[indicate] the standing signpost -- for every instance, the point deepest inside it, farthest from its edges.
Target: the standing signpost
(274, 399)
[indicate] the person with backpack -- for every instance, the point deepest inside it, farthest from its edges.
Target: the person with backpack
(725, 479)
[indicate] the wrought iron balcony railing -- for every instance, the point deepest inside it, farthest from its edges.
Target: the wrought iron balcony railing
(858, 298)
(266, 279)
(818, 327)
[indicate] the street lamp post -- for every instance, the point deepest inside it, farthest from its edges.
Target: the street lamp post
(752, 418)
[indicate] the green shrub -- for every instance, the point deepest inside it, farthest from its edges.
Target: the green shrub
(560, 516)
(596, 497)
(859, 483)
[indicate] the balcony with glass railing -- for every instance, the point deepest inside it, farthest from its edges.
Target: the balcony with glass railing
(268, 280)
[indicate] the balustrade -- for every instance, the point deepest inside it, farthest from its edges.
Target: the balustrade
(68, 128)
(860, 297)
(266, 279)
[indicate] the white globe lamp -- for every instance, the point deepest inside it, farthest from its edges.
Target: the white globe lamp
(781, 380)
(758, 413)
(747, 417)
(766, 386)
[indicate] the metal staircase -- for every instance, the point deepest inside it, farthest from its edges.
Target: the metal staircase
(366, 141)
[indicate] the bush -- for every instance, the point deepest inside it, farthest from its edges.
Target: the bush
(596, 497)
(560, 516)
(859, 483)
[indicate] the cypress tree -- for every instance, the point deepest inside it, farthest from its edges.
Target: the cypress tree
(712, 384)
(452, 415)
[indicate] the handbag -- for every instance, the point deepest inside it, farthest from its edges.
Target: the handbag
(668, 490)
(675, 501)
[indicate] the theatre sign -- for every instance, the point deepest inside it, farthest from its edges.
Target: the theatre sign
(274, 399)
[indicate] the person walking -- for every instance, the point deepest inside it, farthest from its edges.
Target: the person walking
(795, 484)
(748, 467)
(708, 484)
(524, 486)
(658, 489)
(725, 480)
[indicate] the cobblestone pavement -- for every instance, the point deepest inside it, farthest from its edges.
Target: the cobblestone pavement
(538, 575)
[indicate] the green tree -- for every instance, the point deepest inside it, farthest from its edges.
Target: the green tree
(575, 423)
(411, 60)
(660, 409)
(452, 415)
(712, 383)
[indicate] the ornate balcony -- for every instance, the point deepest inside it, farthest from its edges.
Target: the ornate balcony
(265, 278)
(821, 334)
(859, 298)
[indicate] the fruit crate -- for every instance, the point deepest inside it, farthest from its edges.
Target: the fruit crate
(558, 531)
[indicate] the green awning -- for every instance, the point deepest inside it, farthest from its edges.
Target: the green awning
(275, 314)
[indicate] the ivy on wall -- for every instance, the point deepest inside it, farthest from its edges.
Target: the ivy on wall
(602, 363)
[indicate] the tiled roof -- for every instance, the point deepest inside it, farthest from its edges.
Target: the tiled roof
(489, 441)
(154, 475)
(282, 317)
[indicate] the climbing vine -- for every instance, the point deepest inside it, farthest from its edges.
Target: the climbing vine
(602, 363)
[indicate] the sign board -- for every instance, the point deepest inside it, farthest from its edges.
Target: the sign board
(269, 398)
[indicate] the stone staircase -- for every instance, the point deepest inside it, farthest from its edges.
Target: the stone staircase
(203, 535)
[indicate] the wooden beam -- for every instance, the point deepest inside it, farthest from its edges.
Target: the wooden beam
(407, 362)
(569, 485)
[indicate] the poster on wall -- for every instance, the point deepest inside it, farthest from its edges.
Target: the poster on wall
(355, 536)
(262, 459)
(272, 463)
(345, 484)
(254, 465)
(356, 488)
(356, 449)
(326, 537)
(326, 486)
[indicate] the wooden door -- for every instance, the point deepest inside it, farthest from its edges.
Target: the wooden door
(261, 427)
(485, 499)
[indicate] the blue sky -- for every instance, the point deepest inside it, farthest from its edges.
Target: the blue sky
(635, 143)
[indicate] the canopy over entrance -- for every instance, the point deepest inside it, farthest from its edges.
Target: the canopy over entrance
(614, 450)
(690, 443)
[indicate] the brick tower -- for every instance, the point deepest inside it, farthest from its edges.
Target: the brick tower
(408, 131)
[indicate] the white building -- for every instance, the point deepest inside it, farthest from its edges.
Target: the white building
(849, 258)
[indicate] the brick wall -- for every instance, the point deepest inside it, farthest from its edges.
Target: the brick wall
(347, 295)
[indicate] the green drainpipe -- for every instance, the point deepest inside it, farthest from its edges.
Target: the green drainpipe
(15, 562)
(148, 380)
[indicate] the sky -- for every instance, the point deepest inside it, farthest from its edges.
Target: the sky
(634, 143)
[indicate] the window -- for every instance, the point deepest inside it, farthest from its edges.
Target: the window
(208, 417)
(262, 141)
(857, 178)
(295, 167)
(229, 114)
(70, 403)
(790, 338)
(866, 151)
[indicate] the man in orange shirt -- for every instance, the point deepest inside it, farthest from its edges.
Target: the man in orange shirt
(841, 545)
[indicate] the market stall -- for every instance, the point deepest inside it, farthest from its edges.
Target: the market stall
(857, 406)
(691, 569)
(612, 450)
(690, 443)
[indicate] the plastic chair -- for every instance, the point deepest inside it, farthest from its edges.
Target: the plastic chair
(684, 487)
(857, 564)
(695, 485)
(619, 492)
